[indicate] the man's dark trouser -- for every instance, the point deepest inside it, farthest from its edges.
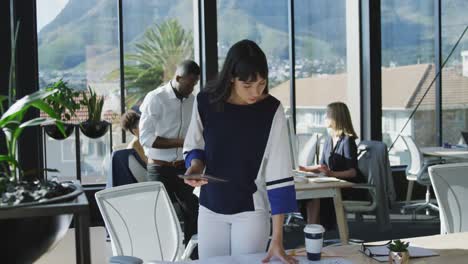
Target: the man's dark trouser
(178, 192)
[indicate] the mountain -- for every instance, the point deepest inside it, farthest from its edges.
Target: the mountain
(407, 28)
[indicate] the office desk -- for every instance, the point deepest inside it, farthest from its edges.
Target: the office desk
(452, 248)
(460, 153)
(312, 190)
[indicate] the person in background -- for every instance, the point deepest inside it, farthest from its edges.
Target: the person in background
(130, 121)
(238, 132)
(165, 117)
(339, 160)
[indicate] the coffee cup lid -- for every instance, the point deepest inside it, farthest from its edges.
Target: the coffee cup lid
(314, 229)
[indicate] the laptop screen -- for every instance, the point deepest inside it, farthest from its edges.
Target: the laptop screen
(465, 136)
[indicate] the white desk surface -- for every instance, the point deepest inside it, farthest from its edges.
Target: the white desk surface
(453, 249)
(310, 186)
(255, 258)
(446, 152)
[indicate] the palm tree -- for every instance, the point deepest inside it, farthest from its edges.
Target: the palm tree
(156, 56)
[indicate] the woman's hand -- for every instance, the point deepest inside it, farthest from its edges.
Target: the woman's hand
(326, 171)
(310, 168)
(196, 183)
(196, 167)
(276, 250)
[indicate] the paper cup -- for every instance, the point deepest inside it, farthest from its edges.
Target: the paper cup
(313, 241)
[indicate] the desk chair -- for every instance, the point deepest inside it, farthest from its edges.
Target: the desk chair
(137, 168)
(374, 165)
(293, 145)
(417, 172)
(142, 223)
(126, 167)
(451, 189)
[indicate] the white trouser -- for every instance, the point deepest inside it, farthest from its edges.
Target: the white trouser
(223, 235)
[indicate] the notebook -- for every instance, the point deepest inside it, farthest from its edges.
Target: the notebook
(324, 180)
(380, 253)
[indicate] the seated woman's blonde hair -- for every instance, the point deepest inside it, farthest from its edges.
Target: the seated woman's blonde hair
(340, 118)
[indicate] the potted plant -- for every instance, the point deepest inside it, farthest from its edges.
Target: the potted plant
(94, 127)
(62, 102)
(26, 239)
(398, 253)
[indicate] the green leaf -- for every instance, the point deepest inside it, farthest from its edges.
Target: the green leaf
(34, 122)
(9, 160)
(2, 98)
(398, 246)
(60, 127)
(44, 107)
(25, 102)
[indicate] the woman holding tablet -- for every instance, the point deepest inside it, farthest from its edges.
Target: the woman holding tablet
(238, 133)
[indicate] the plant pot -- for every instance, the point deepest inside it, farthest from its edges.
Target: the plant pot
(53, 132)
(398, 257)
(26, 239)
(94, 129)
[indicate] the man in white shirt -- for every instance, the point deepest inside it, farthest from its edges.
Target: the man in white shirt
(165, 116)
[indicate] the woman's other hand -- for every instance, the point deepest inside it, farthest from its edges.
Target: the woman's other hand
(196, 183)
(196, 167)
(310, 168)
(326, 171)
(276, 250)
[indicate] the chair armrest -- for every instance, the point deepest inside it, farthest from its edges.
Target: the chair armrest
(364, 186)
(190, 247)
(370, 188)
(125, 260)
(363, 208)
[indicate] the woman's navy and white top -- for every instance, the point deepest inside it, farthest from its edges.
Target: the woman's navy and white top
(248, 146)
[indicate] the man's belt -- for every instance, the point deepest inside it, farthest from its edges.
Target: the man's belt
(175, 164)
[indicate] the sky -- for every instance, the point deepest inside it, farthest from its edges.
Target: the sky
(47, 10)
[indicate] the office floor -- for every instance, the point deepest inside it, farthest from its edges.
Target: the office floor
(402, 226)
(64, 251)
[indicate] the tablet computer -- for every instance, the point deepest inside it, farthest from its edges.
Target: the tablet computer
(199, 177)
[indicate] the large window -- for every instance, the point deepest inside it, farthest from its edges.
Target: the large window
(455, 73)
(322, 40)
(158, 34)
(266, 23)
(78, 42)
(407, 71)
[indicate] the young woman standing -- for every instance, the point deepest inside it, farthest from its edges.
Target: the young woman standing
(238, 132)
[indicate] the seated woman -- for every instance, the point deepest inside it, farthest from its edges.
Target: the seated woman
(130, 122)
(339, 159)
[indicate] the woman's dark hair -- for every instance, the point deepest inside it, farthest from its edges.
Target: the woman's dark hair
(130, 120)
(245, 60)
